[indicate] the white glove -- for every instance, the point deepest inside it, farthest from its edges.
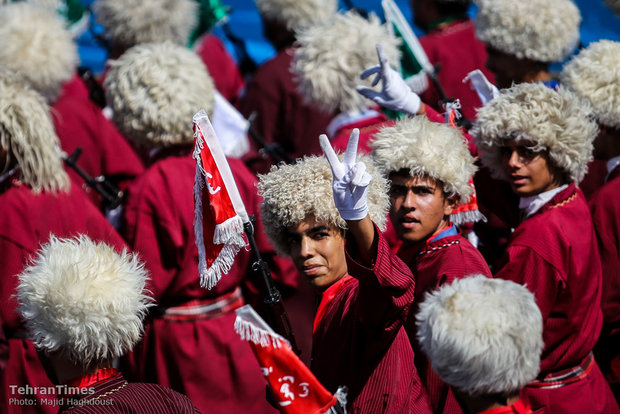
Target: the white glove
(350, 182)
(395, 93)
(486, 90)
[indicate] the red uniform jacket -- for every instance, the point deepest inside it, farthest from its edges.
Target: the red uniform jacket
(282, 116)
(80, 123)
(361, 343)
(26, 222)
(202, 357)
(458, 52)
(368, 128)
(554, 254)
(437, 263)
(222, 67)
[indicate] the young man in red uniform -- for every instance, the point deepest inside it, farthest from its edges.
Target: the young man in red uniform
(45, 54)
(483, 337)
(37, 200)
(540, 141)
(429, 168)
(282, 115)
(593, 75)
(83, 304)
(322, 219)
(327, 75)
(189, 343)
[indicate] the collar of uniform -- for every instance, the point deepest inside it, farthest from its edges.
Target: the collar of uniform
(348, 117)
(612, 164)
(532, 204)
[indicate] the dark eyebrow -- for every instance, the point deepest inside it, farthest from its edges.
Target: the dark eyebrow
(415, 187)
(318, 229)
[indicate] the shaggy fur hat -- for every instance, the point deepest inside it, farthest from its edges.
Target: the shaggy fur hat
(428, 149)
(614, 5)
(291, 193)
(28, 135)
(555, 120)
(154, 90)
(541, 30)
(36, 45)
(131, 22)
(594, 75)
(297, 14)
(331, 56)
(84, 300)
(481, 335)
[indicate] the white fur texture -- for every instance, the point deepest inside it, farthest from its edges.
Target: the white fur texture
(297, 14)
(155, 89)
(333, 54)
(131, 22)
(292, 193)
(541, 30)
(481, 335)
(28, 135)
(555, 120)
(594, 75)
(428, 149)
(83, 299)
(614, 5)
(35, 44)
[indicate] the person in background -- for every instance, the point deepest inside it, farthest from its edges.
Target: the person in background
(540, 141)
(38, 199)
(484, 338)
(83, 304)
(593, 75)
(282, 118)
(429, 168)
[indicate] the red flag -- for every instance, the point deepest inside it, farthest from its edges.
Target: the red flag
(294, 388)
(219, 213)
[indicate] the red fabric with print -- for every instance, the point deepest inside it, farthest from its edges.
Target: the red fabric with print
(361, 342)
(26, 222)
(221, 65)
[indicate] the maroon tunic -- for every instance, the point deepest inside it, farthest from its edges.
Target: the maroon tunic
(458, 52)
(282, 116)
(368, 128)
(27, 220)
(80, 123)
(554, 254)
(116, 395)
(437, 263)
(201, 357)
(222, 67)
(361, 342)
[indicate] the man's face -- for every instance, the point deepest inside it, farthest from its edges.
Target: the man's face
(317, 250)
(418, 207)
(528, 171)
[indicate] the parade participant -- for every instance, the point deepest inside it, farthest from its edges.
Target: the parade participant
(614, 5)
(282, 117)
(190, 344)
(593, 76)
(484, 338)
(72, 289)
(524, 38)
(429, 168)
(322, 219)
(40, 48)
(37, 200)
(447, 24)
(327, 75)
(540, 141)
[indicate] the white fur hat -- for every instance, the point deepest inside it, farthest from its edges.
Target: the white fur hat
(594, 75)
(481, 335)
(297, 14)
(614, 5)
(333, 54)
(154, 90)
(84, 300)
(541, 30)
(555, 120)
(28, 135)
(429, 149)
(131, 22)
(35, 44)
(292, 193)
